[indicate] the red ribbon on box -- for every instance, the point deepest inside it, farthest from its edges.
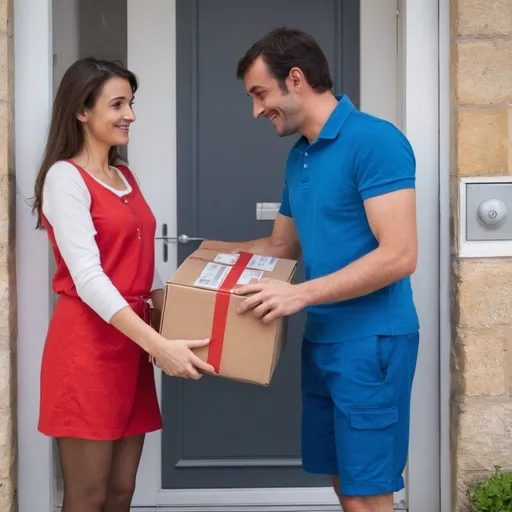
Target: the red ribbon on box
(220, 312)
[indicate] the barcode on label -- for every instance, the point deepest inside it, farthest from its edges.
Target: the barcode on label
(265, 263)
(212, 276)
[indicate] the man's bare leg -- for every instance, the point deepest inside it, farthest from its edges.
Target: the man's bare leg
(381, 503)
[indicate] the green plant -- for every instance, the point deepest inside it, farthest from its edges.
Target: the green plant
(493, 494)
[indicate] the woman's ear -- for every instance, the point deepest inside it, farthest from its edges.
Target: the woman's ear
(82, 116)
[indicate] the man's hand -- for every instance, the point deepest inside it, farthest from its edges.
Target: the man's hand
(272, 299)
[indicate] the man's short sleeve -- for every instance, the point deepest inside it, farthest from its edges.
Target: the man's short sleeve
(385, 163)
(285, 208)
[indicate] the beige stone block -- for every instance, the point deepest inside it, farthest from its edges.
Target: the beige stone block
(484, 435)
(483, 142)
(454, 215)
(508, 351)
(7, 452)
(7, 194)
(6, 16)
(484, 363)
(484, 71)
(7, 495)
(457, 369)
(510, 140)
(6, 68)
(485, 292)
(6, 138)
(484, 17)
(6, 373)
(454, 123)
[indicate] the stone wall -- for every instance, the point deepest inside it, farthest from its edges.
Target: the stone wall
(482, 288)
(7, 265)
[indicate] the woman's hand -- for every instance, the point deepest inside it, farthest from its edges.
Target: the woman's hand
(176, 358)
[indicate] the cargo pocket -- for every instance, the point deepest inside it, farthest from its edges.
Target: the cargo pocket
(371, 445)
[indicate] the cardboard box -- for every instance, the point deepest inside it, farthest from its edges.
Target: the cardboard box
(199, 304)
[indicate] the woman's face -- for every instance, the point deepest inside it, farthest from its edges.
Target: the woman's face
(109, 121)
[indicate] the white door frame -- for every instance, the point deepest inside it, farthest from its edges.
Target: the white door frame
(426, 115)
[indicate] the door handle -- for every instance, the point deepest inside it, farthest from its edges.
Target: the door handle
(182, 239)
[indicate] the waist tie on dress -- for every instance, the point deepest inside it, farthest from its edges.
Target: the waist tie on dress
(141, 306)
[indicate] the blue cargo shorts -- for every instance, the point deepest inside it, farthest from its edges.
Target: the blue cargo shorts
(356, 410)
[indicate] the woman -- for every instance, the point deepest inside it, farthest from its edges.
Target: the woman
(98, 395)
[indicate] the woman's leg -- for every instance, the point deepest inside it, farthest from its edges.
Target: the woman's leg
(85, 468)
(125, 463)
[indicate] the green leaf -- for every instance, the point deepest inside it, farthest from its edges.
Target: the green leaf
(493, 494)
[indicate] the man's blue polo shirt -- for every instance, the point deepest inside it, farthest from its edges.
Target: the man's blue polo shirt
(355, 157)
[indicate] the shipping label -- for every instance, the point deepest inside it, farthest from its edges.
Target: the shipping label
(249, 274)
(212, 276)
(265, 263)
(226, 259)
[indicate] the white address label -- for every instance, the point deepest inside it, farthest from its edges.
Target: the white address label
(265, 263)
(249, 274)
(212, 276)
(226, 259)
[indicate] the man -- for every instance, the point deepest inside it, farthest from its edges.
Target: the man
(349, 205)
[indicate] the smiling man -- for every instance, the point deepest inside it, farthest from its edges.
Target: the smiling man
(348, 205)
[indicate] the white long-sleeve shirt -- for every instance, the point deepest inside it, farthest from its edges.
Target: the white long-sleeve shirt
(66, 206)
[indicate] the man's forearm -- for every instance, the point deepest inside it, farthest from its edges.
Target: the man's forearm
(372, 272)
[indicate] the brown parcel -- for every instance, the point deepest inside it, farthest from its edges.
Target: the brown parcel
(250, 350)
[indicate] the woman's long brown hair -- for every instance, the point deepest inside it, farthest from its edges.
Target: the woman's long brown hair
(79, 89)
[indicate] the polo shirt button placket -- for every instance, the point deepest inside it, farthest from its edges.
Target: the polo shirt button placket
(305, 173)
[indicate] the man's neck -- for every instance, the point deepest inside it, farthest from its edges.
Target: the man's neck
(318, 111)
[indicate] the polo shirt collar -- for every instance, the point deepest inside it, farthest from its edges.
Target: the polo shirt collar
(332, 127)
(338, 117)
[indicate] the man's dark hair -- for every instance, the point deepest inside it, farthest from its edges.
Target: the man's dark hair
(284, 49)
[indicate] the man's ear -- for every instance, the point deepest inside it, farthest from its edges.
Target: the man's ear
(296, 78)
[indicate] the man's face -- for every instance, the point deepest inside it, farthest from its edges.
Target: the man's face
(281, 108)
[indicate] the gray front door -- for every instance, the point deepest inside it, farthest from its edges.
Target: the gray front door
(218, 433)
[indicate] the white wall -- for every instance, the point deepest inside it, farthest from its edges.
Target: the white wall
(32, 105)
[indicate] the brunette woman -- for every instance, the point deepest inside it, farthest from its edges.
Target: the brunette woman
(98, 395)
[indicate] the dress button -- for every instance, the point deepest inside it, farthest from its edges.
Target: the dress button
(125, 200)
(306, 153)
(305, 166)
